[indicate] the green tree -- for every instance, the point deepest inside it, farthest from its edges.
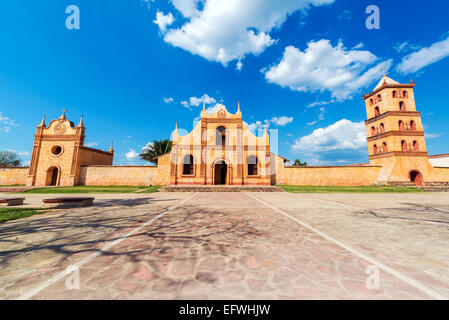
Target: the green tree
(153, 150)
(298, 163)
(9, 158)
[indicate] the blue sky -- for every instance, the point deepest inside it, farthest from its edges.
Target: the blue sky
(136, 67)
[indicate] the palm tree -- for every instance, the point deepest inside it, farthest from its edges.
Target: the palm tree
(298, 163)
(153, 150)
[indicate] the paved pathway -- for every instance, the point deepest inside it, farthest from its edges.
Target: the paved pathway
(232, 246)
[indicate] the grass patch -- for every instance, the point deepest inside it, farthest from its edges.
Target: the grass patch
(341, 189)
(12, 185)
(95, 189)
(7, 214)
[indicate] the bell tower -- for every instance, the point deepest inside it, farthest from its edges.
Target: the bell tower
(395, 134)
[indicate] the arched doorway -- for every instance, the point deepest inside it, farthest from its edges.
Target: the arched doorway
(53, 174)
(221, 172)
(416, 177)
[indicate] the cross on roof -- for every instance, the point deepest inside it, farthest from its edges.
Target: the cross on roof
(221, 101)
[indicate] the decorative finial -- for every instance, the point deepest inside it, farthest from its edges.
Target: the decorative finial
(111, 149)
(42, 124)
(62, 117)
(238, 107)
(221, 102)
(81, 124)
(204, 106)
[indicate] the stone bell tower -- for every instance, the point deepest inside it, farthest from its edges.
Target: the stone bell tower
(396, 135)
(59, 153)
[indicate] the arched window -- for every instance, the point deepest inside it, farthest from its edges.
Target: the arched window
(221, 136)
(375, 149)
(402, 106)
(415, 146)
(395, 94)
(371, 102)
(376, 111)
(382, 128)
(188, 165)
(373, 131)
(384, 147)
(405, 94)
(404, 145)
(252, 166)
(401, 125)
(413, 125)
(379, 98)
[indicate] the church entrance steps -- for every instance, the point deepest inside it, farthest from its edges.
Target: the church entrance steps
(427, 188)
(436, 186)
(221, 189)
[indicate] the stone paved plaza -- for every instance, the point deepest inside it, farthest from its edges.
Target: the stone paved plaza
(231, 246)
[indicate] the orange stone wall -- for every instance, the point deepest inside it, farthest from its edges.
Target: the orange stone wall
(13, 176)
(127, 175)
(327, 176)
(441, 174)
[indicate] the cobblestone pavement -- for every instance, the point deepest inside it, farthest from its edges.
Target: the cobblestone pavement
(232, 246)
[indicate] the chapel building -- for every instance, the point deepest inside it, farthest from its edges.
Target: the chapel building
(220, 150)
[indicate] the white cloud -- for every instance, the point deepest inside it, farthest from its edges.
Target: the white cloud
(424, 57)
(91, 144)
(186, 105)
(319, 103)
(342, 135)
(164, 20)
(168, 100)
(194, 101)
(405, 47)
(213, 109)
(282, 121)
(5, 120)
(432, 135)
(5, 123)
(239, 65)
(131, 155)
(258, 126)
(224, 31)
(320, 117)
(324, 67)
(147, 146)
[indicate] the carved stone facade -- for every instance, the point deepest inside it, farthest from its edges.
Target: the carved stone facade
(220, 150)
(59, 153)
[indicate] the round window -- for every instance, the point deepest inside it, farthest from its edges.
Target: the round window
(56, 150)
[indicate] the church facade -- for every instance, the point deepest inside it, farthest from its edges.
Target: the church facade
(221, 150)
